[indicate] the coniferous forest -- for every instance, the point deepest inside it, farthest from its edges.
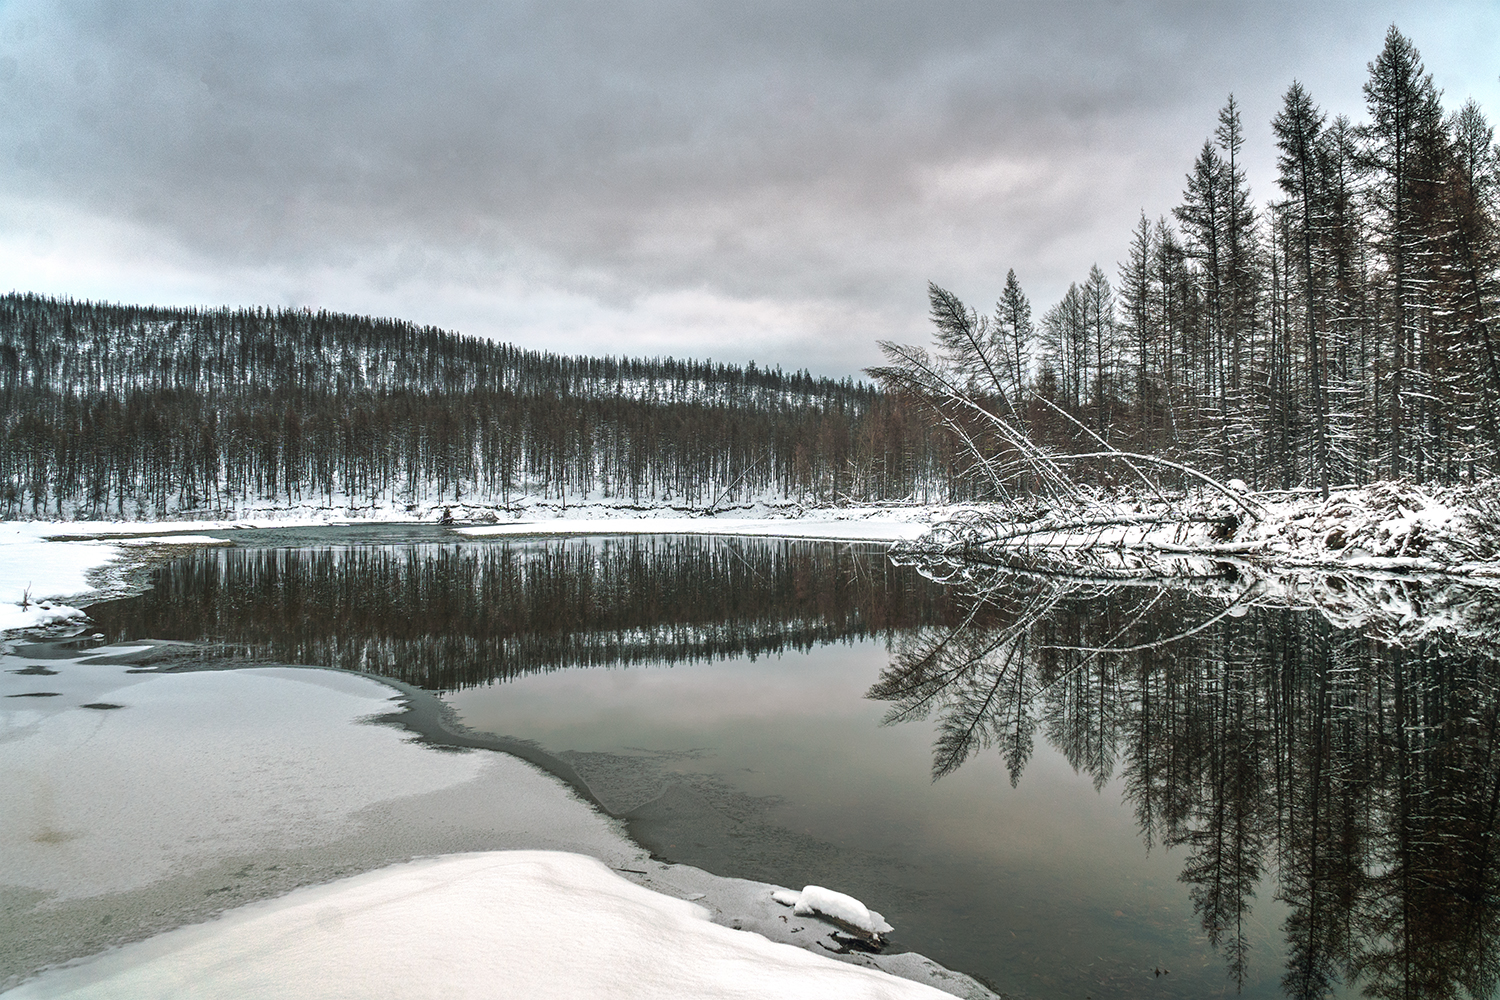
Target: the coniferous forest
(1342, 331)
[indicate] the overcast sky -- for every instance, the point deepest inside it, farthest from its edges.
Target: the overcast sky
(729, 180)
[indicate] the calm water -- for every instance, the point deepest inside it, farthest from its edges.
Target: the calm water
(1066, 787)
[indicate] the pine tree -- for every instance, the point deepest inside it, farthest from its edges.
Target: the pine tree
(1298, 128)
(1404, 111)
(1015, 331)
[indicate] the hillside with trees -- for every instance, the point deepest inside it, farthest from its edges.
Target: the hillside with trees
(121, 411)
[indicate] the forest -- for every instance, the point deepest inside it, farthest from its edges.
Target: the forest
(120, 411)
(1342, 332)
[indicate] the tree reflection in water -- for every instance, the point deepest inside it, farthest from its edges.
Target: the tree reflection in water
(1339, 734)
(1342, 734)
(454, 615)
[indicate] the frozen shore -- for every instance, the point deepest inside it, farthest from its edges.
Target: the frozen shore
(47, 569)
(253, 786)
(1380, 528)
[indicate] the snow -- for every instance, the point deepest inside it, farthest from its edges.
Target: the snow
(1385, 526)
(814, 900)
(38, 573)
(520, 923)
(298, 775)
(145, 540)
(47, 573)
(428, 507)
(139, 802)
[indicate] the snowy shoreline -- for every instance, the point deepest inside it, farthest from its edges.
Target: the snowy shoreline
(1394, 531)
(1385, 529)
(53, 566)
(111, 892)
(684, 937)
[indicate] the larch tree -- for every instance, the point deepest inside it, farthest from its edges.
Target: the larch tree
(1298, 129)
(1137, 300)
(1015, 331)
(1203, 214)
(1099, 320)
(1404, 110)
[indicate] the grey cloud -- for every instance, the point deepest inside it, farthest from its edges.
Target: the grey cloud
(754, 151)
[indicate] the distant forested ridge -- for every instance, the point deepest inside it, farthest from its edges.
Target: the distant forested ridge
(125, 411)
(1345, 330)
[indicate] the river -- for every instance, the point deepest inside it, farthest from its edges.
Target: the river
(1062, 785)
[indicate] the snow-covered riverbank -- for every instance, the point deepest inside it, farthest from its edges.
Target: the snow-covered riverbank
(1383, 527)
(516, 922)
(47, 569)
(200, 830)
(140, 801)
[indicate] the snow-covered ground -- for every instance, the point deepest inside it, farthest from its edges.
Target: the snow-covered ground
(139, 804)
(533, 924)
(428, 507)
(37, 575)
(1381, 527)
(854, 524)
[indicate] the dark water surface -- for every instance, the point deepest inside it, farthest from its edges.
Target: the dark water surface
(1080, 789)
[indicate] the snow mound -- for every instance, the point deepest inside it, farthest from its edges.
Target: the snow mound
(535, 924)
(35, 573)
(814, 900)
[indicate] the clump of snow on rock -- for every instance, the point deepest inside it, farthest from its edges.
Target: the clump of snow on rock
(814, 900)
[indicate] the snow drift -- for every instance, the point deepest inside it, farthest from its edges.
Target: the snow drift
(536, 924)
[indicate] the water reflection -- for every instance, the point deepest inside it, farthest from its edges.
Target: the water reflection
(1341, 735)
(447, 616)
(1335, 740)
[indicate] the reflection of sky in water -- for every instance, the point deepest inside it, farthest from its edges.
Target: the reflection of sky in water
(1049, 878)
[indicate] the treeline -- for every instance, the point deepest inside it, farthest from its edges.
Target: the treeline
(1344, 331)
(129, 411)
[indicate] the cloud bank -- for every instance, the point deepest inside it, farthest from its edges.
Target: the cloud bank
(775, 181)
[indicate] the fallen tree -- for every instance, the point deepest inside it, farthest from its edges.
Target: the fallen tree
(1049, 504)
